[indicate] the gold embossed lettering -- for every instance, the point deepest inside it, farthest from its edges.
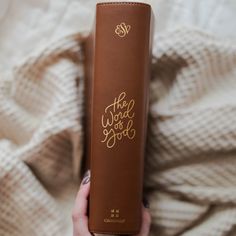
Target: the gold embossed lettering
(117, 120)
(122, 29)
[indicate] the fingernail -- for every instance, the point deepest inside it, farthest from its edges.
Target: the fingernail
(86, 177)
(145, 203)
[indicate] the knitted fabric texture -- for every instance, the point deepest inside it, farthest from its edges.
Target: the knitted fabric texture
(190, 164)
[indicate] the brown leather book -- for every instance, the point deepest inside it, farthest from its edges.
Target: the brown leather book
(117, 91)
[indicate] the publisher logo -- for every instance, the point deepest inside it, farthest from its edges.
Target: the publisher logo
(122, 29)
(114, 217)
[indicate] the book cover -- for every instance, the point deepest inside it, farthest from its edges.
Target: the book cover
(117, 100)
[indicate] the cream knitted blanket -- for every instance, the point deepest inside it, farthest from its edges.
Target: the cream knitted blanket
(190, 170)
(190, 163)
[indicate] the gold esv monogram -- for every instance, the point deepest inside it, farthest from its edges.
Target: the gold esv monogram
(117, 120)
(122, 29)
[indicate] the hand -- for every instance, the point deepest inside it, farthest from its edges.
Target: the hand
(79, 215)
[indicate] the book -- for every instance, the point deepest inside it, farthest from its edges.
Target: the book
(118, 53)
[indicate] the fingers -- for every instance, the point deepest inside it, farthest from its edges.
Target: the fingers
(79, 215)
(146, 222)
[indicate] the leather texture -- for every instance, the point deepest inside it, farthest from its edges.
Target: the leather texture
(88, 46)
(116, 115)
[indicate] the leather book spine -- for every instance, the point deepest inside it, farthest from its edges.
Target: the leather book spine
(88, 46)
(119, 106)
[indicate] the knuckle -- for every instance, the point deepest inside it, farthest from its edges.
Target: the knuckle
(75, 216)
(147, 218)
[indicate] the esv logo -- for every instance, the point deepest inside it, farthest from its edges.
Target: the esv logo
(122, 29)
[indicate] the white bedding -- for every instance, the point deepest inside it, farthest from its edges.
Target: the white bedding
(27, 24)
(41, 130)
